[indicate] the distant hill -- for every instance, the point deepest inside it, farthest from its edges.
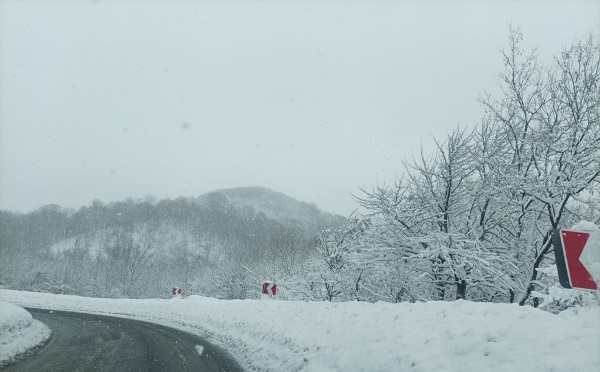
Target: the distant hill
(243, 219)
(136, 248)
(277, 206)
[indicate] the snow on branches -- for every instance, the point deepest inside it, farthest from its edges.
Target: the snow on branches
(473, 220)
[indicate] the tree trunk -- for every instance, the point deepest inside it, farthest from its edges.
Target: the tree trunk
(461, 289)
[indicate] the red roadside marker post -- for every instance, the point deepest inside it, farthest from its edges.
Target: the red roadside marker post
(577, 256)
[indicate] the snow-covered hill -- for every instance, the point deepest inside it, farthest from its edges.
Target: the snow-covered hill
(194, 225)
(277, 206)
(355, 336)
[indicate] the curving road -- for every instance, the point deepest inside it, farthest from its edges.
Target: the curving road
(86, 342)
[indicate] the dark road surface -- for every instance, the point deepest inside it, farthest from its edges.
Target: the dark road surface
(85, 342)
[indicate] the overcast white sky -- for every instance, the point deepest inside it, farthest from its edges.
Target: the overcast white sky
(108, 100)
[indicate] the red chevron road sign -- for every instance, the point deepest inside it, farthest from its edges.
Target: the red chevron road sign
(269, 288)
(576, 258)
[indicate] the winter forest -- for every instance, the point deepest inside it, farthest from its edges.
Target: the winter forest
(471, 220)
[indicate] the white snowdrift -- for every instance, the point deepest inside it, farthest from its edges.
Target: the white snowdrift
(19, 332)
(322, 336)
(584, 225)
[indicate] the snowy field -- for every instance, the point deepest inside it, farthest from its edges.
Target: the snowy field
(322, 336)
(19, 332)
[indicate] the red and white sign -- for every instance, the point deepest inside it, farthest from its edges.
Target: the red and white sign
(577, 256)
(269, 288)
(176, 291)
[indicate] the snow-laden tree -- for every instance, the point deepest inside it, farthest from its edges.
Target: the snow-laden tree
(434, 221)
(548, 129)
(126, 256)
(473, 220)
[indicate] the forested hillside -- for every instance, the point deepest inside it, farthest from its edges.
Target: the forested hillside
(140, 248)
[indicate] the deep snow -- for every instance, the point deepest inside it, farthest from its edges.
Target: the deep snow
(19, 332)
(321, 336)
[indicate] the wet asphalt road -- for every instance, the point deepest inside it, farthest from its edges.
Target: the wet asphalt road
(86, 342)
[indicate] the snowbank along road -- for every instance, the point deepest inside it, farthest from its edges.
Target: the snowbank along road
(82, 342)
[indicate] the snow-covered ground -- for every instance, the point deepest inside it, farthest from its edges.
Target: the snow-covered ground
(355, 336)
(19, 332)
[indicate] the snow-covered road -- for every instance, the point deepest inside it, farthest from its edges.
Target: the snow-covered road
(83, 342)
(322, 336)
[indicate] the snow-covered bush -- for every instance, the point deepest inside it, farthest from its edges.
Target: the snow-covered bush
(556, 298)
